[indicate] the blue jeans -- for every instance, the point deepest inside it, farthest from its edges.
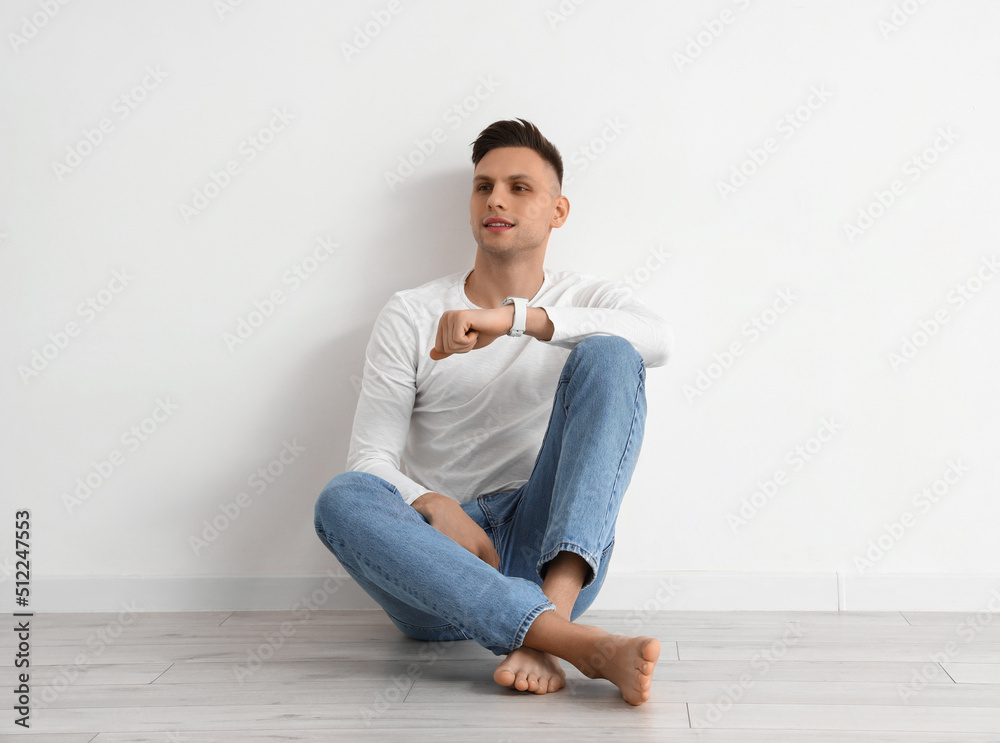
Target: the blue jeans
(434, 589)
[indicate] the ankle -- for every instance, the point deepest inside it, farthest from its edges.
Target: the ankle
(584, 651)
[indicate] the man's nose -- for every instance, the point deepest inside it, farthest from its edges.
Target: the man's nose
(497, 198)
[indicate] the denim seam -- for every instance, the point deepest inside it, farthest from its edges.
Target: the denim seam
(628, 442)
(563, 383)
(591, 560)
(490, 515)
(487, 512)
(529, 618)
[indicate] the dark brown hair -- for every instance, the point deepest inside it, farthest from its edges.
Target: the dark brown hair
(519, 133)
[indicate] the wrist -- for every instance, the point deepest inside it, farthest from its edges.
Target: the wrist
(429, 503)
(539, 325)
(519, 319)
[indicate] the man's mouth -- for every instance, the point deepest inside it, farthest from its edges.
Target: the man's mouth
(494, 224)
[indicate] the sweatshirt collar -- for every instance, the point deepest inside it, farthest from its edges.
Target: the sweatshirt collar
(465, 297)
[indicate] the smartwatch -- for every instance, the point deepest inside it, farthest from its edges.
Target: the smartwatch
(520, 315)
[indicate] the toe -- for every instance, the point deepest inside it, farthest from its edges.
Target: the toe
(651, 650)
(504, 677)
(521, 683)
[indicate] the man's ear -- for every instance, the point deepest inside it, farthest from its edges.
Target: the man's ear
(561, 212)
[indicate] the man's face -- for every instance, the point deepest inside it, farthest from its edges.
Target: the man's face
(515, 202)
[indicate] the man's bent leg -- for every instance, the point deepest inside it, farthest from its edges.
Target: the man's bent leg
(562, 532)
(424, 580)
(571, 501)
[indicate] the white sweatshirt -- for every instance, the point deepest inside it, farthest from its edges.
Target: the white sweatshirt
(473, 423)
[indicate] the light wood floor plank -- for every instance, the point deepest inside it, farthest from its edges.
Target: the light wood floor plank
(850, 717)
(339, 690)
(939, 633)
(366, 617)
(30, 737)
(973, 652)
(101, 619)
(974, 673)
(162, 634)
(932, 618)
(747, 618)
(473, 688)
(528, 710)
(793, 670)
(97, 674)
(303, 672)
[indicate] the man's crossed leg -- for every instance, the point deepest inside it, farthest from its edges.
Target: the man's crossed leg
(553, 538)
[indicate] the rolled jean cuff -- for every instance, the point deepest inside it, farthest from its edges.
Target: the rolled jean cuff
(576, 550)
(525, 626)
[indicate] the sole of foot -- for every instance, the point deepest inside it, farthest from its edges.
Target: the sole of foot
(627, 662)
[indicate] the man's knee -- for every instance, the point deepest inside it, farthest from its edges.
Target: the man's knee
(340, 500)
(607, 350)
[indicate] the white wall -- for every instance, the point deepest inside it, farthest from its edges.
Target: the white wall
(653, 108)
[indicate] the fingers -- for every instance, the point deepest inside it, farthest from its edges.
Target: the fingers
(462, 342)
(453, 337)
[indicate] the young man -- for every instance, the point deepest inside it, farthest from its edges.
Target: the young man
(501, 414)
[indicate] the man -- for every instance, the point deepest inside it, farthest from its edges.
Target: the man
(485, 473)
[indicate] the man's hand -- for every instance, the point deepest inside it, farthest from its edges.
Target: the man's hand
(460, 331)
(447, 516)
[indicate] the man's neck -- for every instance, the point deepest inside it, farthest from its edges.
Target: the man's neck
(489, 284)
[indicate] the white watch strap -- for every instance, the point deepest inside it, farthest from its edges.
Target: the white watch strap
(520, 315)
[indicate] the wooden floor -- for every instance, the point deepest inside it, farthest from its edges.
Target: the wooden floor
(725, 677)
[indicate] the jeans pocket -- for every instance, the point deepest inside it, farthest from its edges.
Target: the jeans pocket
(500, 507)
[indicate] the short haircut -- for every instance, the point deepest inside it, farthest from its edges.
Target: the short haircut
(519, 133)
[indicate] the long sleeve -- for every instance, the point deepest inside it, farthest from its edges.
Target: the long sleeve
(602, 307)
(388, 389)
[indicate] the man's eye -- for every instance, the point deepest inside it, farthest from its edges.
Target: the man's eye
(482, 186)
(520, 187)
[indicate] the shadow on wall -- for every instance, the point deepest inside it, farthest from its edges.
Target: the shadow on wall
(419, 233)
(425, 234)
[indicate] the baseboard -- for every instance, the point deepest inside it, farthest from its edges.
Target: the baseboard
(678, 591)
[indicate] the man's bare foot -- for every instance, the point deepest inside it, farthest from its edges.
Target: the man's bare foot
(527, 669)
(627, 662)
